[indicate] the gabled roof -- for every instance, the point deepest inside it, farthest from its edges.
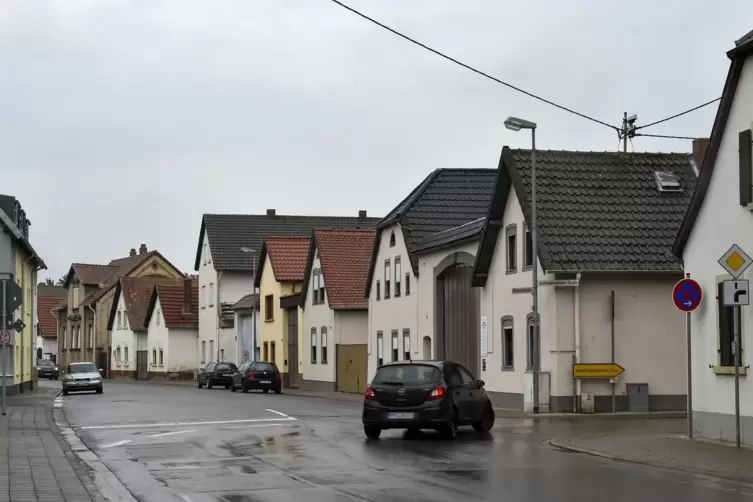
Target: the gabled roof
(228, 233)
(90, 274)
(344, 256)
(287, 256)
(172, 298)
(48, 298)
(743, 49)
(7, 222)
(248, 302)
(467, 232)
(137, 294)
(597, 212)
(445, 199)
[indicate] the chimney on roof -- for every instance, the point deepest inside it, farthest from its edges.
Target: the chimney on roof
(142, 249)
(271, 212)
(362, 213)
(700, 145)
(133, 252)
(187, 295)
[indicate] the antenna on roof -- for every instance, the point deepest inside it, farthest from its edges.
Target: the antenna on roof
(628, 129)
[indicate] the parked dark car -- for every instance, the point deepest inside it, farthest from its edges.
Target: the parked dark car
(438, 395)
(47, 369)
(218, 373)
(259, 375)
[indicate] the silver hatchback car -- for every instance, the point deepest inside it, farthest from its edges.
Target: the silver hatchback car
(81, 377)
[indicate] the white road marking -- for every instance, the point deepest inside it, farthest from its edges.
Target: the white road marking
(117, 443)
(58, 405)
(171, 433)
(278, 413)
(185, 497)
(257, 425)
(180, 424)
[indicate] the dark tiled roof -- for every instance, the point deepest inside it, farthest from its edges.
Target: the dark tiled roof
(56, 291)
(596, 211)
(228, 233)
(89, 273)
(137, 295)
(172, 300)
(248, 302)
(447, 198)
(288, 256)
(48, 322)
(451, 237)
(344, 256)
(7, 220)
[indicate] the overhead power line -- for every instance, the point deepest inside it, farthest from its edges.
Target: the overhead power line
(468, 67)
(678, 114)
(664, 136)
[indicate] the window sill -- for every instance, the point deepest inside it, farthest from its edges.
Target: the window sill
(505, 368)
(729, 370)
(269, 320)
(510, 272)
(527, 268)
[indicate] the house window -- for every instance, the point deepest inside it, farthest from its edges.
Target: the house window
(266, 351)
(508, 361)
(398, 276)
(387, 273)
(392, 239)
(530, 342)
(120, 321)
(315, 293)
(161, 357)
(512, 248)
(313, 345)
(222, 354)
(78, 337)
(407, 284)
(125, 357)
(158, 317)
(75, 298)
(203, 351)
(211, 294)
(395, 346)
(406, 345)
(321, 288)
(380, 349)
(269, 314)
(726, 318)
(117, 355)
(125, 319)
(154, 357)
(324, 344)
(272, 352)
(203, 297)
(211, 350)
(527, 247)
(379, 290)
(91, 336)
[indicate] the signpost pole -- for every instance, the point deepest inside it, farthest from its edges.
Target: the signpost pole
(736, 325)
(2, 345)
(614, 399)
(690, 372)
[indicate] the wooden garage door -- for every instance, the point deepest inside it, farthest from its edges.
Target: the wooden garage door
(351, 368)
(459, 312)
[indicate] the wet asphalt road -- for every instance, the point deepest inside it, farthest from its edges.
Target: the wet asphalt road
(170, 442)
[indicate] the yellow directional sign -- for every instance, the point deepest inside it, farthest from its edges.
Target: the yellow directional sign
(597, 370)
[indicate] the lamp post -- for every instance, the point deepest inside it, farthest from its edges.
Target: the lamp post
(254, 303)
(516, 124)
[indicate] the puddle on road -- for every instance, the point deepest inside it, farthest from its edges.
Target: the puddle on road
(236, 497)
(469, 474)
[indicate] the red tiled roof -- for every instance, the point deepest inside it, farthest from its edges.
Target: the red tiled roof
(93, 274)
(137, 293)
(345, 256)
(48, 322)
(171, 298)
(288, 256)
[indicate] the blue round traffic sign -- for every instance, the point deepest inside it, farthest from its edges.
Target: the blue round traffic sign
(687, 295)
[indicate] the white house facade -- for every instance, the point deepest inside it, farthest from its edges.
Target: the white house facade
(618, 309)
(123, 342)
(720, 216)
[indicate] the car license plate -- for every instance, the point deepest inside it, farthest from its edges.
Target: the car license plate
(400, 416)
(228, 374)
(265, 381)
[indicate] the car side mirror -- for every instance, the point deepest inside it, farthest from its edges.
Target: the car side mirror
(101, 370)
(480, 383)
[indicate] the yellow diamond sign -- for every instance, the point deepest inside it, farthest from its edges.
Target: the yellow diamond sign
(735, 261)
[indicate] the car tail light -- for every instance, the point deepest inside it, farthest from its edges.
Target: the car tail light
(438, 393)
(277, 376)
(370, 393)
(250, 374)
(214, 374)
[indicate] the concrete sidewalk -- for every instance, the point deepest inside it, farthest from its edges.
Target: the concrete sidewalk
(667, 451)
(35, 461)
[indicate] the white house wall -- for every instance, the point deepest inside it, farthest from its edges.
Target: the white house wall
(122, 338)
(318, 376)
(207, 316)
(721, 222)
(395, 313)
(351, 327)
(424, 291)
(157, 337)
(233, 287)
(181, 347)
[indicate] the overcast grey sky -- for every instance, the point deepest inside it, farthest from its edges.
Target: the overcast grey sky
(121, 122)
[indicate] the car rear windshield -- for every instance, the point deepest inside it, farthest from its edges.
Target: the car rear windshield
(44, 362)
(82, 368)
(224, 367)
(264, 367)
(408, 374)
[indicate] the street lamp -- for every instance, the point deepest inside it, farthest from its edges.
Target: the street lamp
(253, 306)
(516, 124)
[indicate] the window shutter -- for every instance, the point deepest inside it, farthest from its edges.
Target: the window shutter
(746, 167)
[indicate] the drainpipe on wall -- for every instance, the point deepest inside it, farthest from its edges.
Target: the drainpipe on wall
(576, 408)
(218, 308)
(94, 334)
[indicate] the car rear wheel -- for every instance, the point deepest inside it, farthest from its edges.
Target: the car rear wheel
(245, 388)
(100, 390)
(372, 432)
(277, 391)
(198, 384)
(487, 420)
(209, 383)
(227, 387)
(266, 391)
(232, 389)
(450, 431)
(65, 392)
